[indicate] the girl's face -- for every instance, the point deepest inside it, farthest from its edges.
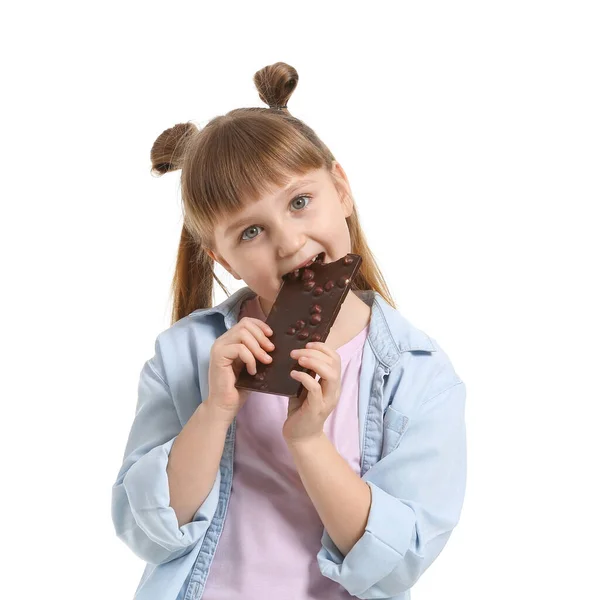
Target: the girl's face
(278, 232)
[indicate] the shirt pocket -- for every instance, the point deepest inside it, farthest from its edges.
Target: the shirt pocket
(394, 426)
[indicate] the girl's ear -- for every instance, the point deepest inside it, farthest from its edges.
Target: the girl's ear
(210, 253)
(343, 187)
(218, 258)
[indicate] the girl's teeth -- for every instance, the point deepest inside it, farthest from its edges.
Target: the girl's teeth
(312, 260)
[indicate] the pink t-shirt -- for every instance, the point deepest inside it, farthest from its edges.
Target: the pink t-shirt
(272, 532)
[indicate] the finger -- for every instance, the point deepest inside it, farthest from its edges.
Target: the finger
(324, 348)
(252, 343)
(248, 358)
(331, 353)
(241, 352)
(261, 325)
(260, 330)
(326, 371)
(313, 387)
(308, 381)
(258, 323)
(314, 354)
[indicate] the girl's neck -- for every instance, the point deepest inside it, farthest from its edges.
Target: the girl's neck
(353, 317)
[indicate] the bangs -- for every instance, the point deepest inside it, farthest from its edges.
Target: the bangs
(242, 159)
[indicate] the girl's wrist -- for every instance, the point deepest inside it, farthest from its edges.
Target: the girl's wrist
(216, 416)
(305, 442)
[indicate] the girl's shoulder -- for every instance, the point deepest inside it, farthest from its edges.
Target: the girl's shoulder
(423, 365)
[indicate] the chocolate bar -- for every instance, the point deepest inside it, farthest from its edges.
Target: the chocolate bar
(304, 310)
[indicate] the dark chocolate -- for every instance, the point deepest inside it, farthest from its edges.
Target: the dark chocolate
(304, 310)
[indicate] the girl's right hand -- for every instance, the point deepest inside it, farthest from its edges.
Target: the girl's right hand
(238, 347)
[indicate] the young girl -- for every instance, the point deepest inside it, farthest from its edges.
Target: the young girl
(228, 493)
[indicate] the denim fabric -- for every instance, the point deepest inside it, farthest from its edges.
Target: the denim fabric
(413, 457)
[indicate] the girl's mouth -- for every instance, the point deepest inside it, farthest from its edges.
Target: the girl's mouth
(319, 258)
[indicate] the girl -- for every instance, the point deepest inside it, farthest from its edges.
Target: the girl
(353, 492)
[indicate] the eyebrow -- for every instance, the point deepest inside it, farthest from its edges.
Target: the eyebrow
(286, 191)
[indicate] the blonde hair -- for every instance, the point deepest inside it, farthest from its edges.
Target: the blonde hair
(239, 156)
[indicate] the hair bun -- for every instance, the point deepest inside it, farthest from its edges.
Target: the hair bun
(168, 150)
(276, 83)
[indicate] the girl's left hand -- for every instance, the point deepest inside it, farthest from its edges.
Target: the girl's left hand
(308, 413)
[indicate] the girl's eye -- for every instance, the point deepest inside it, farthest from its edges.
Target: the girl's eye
(242, 239)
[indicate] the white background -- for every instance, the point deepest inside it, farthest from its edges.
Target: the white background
(470, 133)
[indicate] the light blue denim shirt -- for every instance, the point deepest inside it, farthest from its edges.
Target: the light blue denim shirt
(413, 457)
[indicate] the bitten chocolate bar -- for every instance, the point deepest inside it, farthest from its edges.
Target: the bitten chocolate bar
(305, 309)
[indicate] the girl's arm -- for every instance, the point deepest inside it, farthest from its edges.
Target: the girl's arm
(194, 462)
(417, 493)
(142, 516)
(339, 495)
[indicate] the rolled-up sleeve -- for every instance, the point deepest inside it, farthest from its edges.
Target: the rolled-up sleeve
(141, 511)
(417, 494)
